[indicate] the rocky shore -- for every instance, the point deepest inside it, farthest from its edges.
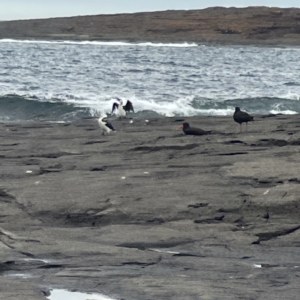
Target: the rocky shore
(215, 25)
(149, 213)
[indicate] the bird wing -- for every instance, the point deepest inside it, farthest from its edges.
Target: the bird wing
(196, 131)
(128, 106)
(109, 126)
(246, 116)
(115, 106)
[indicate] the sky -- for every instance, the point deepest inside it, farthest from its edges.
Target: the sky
(36, 9)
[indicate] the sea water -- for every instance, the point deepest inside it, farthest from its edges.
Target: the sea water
(67, 295)
(64, 80)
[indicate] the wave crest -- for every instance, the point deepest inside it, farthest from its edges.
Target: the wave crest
(100, 43)
(20, 108)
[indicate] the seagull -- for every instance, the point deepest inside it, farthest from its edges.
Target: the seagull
(242, 117)
(121, 110)
(192, 130)
(105, 126)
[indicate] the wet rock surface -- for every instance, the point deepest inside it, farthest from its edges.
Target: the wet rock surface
(214, 25)
(149, 213)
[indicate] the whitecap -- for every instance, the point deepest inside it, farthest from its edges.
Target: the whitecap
(100, 43)
(284, 112)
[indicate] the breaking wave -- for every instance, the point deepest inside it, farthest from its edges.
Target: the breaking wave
(100, 43)
(18, 108)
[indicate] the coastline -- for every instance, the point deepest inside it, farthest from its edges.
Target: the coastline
(255, 25)
(149, 212)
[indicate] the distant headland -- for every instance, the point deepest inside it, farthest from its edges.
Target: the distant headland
(216, 25)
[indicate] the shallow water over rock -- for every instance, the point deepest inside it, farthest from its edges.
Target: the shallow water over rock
(67, 295)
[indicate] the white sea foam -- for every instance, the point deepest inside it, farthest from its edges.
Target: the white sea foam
(100, 43)
(284, 112)
(292, 96)
(181, 45)
(182, 107)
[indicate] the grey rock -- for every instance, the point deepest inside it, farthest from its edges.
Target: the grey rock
(147, 213)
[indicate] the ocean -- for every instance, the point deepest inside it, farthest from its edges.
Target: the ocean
(68, 80)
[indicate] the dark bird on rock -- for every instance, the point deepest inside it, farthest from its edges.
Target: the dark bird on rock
(105, 126)
(192, 130)
(128, 107)
(242, 117)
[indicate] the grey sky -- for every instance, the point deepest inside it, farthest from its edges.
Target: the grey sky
(31, 9)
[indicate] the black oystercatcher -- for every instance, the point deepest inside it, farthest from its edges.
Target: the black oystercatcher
(242, 117)
(105, 126)
(192, 130)
(128, 107)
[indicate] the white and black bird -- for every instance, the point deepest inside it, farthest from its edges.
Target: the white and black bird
(121, 110)
(105, 126)
(118, 109)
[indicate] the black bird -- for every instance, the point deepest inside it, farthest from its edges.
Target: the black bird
(192, 130)
(128, 107)
(242, 117)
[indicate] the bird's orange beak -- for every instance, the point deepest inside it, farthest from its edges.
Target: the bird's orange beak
(179, 127)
